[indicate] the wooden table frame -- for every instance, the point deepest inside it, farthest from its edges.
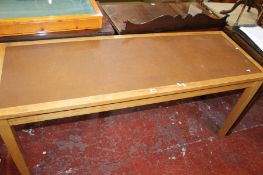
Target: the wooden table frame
(12, 116)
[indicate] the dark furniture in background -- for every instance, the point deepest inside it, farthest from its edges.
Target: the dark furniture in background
(106, 29)
(139, 17)
(250, 4)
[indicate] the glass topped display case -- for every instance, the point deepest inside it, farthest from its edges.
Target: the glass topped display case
(19, 17)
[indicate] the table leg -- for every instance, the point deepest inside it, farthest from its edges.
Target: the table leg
(11, 141)
(241, 104)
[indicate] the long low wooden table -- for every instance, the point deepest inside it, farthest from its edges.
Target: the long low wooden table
(45, 80)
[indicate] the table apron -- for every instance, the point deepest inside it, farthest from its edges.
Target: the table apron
(125, 104)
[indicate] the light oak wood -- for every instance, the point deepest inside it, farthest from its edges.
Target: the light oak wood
(32, 25)
(48, 107)
(54, 106)
(241, 104)
(2, 55)
(86, 105)
(121, 105)
(8, 135)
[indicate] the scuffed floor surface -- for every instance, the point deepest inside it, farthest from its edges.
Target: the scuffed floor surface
(168, 138)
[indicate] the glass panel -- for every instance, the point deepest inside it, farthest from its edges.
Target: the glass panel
(36, 8)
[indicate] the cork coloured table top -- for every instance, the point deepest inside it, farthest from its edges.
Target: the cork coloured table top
(36, 72)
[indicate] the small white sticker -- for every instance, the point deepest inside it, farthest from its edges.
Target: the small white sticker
(181, 84)
(44, 152)
(248, 70)
(153, 90)
(152, 3)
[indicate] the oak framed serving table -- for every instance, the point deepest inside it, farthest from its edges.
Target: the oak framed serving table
(52, 79)
(41, 16)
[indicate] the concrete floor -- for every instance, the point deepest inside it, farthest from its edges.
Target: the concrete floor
(168, 138)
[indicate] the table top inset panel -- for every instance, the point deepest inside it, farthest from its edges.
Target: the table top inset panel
(59, 71)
